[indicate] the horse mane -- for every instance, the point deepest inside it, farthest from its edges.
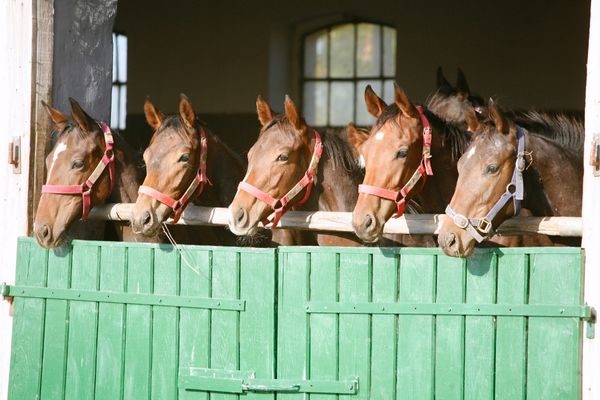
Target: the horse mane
(567, 131)
(336, 146)
(452, 135)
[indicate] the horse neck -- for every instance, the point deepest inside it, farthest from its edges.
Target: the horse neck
(224, 171)
(554, 180)
(128, 174)
(439, 188)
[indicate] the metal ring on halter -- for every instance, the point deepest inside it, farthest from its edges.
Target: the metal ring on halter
(511, 188)
(460, 220)
(484, 225)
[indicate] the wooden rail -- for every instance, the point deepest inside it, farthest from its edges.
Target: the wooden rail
(415, 224)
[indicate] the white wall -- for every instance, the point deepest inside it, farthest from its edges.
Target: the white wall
(15, 103)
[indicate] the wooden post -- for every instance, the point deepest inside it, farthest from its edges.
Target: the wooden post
(591, 207)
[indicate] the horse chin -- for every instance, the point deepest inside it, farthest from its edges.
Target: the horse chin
(370, 239)
(246, 231)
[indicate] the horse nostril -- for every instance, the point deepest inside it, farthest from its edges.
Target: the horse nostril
(450, 239)
(368, 221)
(240, 216)
(45, 232)
(147, 219)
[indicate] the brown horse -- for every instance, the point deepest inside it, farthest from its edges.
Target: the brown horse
(78, 179)
(185, 163)
(507, 166)
(293, 165)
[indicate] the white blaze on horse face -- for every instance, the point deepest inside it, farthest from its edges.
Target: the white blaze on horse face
(379, 135)
(62, 146)
(471, 152)
(361, 161)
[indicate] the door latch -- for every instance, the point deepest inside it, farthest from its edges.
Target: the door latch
(595, 154)
(14, 154)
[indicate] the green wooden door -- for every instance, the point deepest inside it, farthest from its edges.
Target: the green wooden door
(139, 321)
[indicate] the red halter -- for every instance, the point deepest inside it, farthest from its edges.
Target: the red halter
(199, 182)
(85, 189)
(279, 205)
(424, 169)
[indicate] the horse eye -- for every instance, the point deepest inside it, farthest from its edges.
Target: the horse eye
(491, 169)
(282, 157)
(402, 153)
(77, 164)
(184, 158)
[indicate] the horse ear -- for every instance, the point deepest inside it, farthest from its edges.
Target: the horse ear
(404, 103)
(84, 121)
(58, 119)
(153, 116)
(186, 111)
(291, 112)
(355, 137)
(498, 118)
(264, 111)
(462, 87)
(375, 105)
(441, 80)
(472, 120)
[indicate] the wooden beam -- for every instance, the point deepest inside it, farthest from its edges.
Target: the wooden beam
(416, 224)
(591, 207)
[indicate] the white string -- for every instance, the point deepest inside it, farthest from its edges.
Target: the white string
(183, 256)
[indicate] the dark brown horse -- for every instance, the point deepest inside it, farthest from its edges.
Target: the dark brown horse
(505, 164)
(185, 163)
(291, 165)
(74, 162)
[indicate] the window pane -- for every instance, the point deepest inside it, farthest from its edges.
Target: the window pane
(363, 118)
(315, 55)
(122, 106)
(341, 110)
(114, 55)
(342, 51)
(122, 57)
(388, 91)
(389, 52)
(314, 105)
(368, 57)
(114, 107)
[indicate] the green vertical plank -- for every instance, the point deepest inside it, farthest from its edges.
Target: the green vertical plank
(28, 324)
(165, 326)
(323, 327)
(355, 330)
(257, 322)
(415, 332)
(56, 330)
(553, 370)
(511, 331)
(138, 332)
(479, 331)
(194, 339)
(449, 330)
(224, 324)
(292, 339)
(384, 334)
(111, 320)
(81, 357)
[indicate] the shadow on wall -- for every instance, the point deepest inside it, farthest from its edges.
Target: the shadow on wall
(238, 131)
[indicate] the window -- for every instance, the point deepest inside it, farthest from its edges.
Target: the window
(118, 107)
(339, 62)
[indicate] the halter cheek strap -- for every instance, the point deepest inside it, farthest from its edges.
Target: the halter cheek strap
(280, 206)
(85, 189)
(481, 228)
(198, 183)
(420, 175)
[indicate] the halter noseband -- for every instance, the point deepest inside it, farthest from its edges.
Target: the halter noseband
(480, 228)
(279, 205)
(422, 171)
(199, 182)
(85, 189)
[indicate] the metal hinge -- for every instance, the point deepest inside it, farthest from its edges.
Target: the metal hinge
(595, 155)
(225, 381)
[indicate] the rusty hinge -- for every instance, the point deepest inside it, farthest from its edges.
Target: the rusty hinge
(14, 154)
(595, 154)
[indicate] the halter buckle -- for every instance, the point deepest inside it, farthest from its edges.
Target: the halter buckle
(460, 220)
(511, 188)
(484, 226)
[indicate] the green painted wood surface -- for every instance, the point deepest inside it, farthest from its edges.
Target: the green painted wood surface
(91, 349)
